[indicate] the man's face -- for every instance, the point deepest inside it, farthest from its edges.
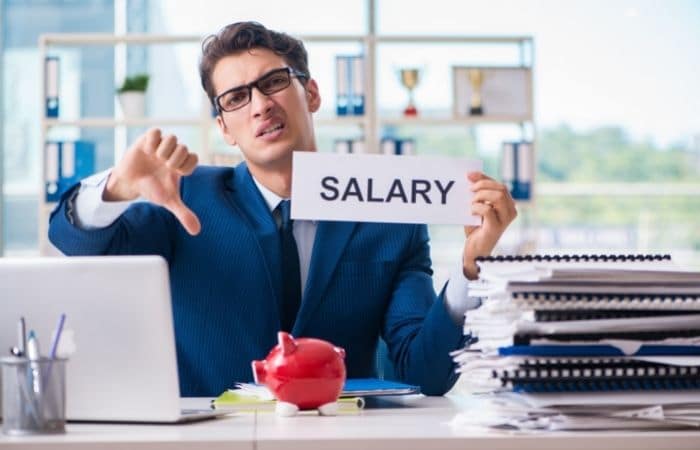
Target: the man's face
(270, 127)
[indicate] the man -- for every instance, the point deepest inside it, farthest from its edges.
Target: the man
(239, 268)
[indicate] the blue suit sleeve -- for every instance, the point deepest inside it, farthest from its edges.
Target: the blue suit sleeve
(143, 229)
(417, 327)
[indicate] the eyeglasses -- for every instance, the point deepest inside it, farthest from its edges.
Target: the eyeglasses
(273, 81)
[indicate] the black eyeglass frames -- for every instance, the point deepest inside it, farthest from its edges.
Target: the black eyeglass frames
(270, 83)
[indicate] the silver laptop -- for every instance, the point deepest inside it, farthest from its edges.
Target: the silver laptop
(119, 323)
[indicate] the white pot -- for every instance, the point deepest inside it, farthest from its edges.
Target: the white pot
(133, 104)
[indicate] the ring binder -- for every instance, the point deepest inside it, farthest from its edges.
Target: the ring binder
(596, 374)
(560, 315)
(543, 301)
(574, 258)
(527, 338)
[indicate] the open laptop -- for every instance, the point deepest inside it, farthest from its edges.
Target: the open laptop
(119, 319)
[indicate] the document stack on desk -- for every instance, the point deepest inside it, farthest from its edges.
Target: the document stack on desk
(251, 396)
(555, 336)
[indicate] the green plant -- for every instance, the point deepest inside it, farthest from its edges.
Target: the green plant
(138, 82)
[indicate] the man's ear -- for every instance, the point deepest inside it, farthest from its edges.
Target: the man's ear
(225, 131)
(313, 97)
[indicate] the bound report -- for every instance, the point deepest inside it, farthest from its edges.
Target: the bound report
(600, 374)
(571, 267)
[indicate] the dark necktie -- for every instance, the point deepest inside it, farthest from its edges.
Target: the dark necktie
(291, 275)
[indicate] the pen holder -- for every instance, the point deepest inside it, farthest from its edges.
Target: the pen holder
(33, 396)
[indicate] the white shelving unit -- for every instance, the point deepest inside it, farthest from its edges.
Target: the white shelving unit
(48, 41)
(370, 123)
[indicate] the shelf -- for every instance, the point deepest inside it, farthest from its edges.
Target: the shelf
(332, 38)
(340, 121)
(447, 39)
(106, 122)
(109, 39)
(141, 38)
(457, 121)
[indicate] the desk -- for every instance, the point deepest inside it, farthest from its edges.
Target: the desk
(421, 424)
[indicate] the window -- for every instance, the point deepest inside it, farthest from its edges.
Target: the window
(616, 103)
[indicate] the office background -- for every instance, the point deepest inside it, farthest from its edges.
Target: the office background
(616, 103)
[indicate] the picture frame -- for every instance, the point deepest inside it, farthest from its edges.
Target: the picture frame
(500, 92)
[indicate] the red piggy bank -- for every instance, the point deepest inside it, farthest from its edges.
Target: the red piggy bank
(303, 374)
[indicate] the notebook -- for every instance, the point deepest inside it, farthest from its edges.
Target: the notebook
(596, 374)
(539, 267)
(119, 321)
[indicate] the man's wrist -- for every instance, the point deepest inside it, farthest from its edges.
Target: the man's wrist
(470, 269)
(115, 191)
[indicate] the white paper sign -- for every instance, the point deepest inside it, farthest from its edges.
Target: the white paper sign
(383, 188)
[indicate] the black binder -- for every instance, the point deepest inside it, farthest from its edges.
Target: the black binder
(596, 374)
(575, 258)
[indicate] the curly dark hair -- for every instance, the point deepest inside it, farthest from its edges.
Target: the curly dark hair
(242, 36)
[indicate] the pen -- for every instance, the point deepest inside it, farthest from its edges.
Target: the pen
(22, 336)
(54, 346)
(34, 376)
(33, 355)
(56, 336)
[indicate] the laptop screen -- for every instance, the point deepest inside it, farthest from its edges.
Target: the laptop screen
(119, 327)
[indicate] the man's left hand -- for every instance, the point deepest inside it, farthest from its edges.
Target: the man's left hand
(493, 203)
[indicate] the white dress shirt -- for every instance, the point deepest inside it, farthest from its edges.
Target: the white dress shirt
(92, 212)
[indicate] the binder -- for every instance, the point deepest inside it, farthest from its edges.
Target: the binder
(593, 350)
(357, 75)
(51, 172)
(524, 168)
(517, 167)
(344, 146)
(596, 374)
(342, 85)
(66, 163)
(561, 315)
(658, 335)
(565, 258)
(51, 84)
(396, 146)
(508, 165)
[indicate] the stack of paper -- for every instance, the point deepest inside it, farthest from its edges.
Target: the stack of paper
(251, 396)
(624, 323)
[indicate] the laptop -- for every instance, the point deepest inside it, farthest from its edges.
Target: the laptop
(119, 324)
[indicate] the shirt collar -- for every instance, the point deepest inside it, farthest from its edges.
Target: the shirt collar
(270, 197)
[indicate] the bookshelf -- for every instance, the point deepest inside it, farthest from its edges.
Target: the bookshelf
(370, 125)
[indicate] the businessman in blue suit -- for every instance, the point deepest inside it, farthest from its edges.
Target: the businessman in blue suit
(240, 269)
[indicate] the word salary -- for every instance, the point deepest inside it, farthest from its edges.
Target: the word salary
(331, 191)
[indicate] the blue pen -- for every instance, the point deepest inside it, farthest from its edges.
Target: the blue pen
(56, 336)
(54, 346)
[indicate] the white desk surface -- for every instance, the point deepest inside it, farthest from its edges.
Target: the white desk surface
(421, 424)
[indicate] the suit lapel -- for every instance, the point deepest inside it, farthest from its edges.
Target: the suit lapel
(329, 244)
(248, 200)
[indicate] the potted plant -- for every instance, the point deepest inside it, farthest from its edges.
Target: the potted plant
(132, 95)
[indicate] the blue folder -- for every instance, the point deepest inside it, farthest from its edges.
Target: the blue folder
(597, 350)
(367, 387)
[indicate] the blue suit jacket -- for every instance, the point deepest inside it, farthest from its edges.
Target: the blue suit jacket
(365, 280)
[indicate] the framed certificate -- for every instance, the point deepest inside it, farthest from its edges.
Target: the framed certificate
(492, 92)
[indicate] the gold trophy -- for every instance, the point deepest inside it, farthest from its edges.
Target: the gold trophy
(409, 79)
(476, 79)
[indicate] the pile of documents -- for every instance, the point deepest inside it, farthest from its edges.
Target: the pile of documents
(584, 342)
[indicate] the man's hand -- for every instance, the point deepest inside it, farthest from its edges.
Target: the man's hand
(493, 203)
(152, 169)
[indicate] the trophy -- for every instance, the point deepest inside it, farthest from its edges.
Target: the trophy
(476, 79)
(409, 79)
